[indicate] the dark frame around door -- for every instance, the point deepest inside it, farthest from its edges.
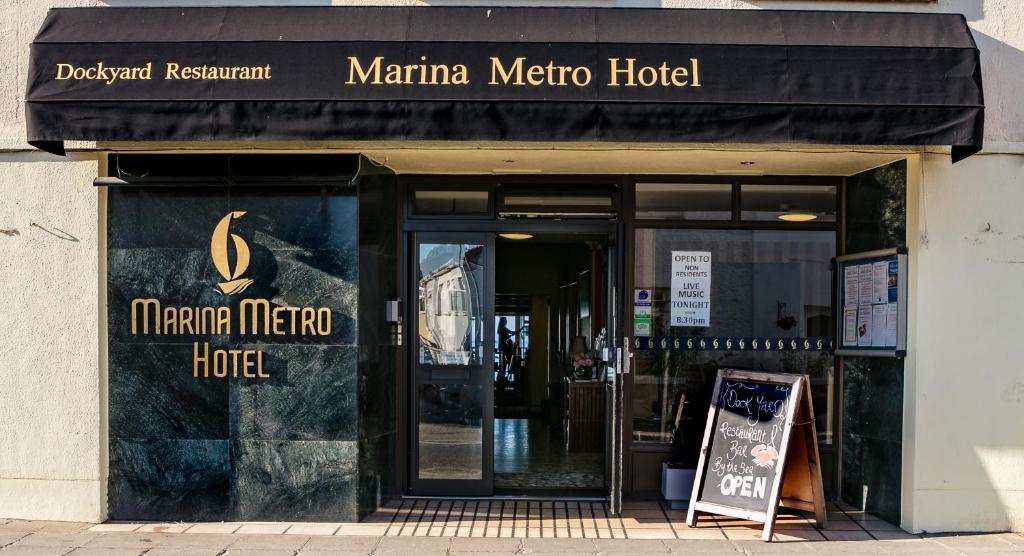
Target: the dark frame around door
(418, 228)
(452, 411)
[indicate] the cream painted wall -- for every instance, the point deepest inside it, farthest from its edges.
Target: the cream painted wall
(964, 448)
(965, 380)
(50, 460)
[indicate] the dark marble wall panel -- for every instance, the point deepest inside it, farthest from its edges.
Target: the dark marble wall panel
(872, 455)
(171, 480)
(378, 357)
(292, 480)
(315, 397)
(153, 395)
(234, 448)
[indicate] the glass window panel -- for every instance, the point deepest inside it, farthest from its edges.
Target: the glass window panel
(450, 202)
(788, 203)
(450, 306)
(764, 283)
(450, 430)
(684, 201)
(534, 201)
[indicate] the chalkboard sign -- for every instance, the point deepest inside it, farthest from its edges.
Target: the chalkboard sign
(743, 458)
(872, 291)
(759, 450)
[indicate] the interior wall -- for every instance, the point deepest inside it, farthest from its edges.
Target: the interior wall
(965, 453)
(538, 364)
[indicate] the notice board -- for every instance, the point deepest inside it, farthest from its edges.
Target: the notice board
(871, 290)
(760, 450)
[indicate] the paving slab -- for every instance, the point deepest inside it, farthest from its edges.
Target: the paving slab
(69, 539)
(648, 546)
(687, 546)
(262, 529)
(195, 551)
(412, 545)
(163, 527)
(559, 546)
(699, 533)
(976, 544)
(126, 540)
(208, 541)
(34, 551)
(650, 533)
(313, 529)
(354, 544)
(266, 542)
(850, 547)
(462, 545)
(840, 535)
(10, 537)
(22, 526)
(258, 552)
(774, 547)
(115, 527)
(88, 551)
(225, 528)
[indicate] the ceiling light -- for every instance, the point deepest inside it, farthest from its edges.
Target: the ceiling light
(797, 217)
(515, 236)
(747, 162)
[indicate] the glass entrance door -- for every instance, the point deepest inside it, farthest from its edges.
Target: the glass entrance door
(453, 350)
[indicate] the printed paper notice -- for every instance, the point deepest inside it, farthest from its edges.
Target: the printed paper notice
(864, 324)
(878, 315)
(850, 325)
(892, 323)
(864, 284)
(880, 282)
(850, 286)
(691, 288)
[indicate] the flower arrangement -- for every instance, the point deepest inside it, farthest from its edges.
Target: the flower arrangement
(582, 360)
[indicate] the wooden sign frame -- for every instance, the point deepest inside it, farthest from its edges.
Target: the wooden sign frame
(798, 482)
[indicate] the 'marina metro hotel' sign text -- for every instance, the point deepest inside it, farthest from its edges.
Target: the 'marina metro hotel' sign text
(495, 71)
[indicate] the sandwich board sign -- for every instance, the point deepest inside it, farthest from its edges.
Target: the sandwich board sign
(760, 450)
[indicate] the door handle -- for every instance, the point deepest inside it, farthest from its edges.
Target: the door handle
(627, 356)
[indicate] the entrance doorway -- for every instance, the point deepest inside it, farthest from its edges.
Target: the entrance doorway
(549, 396)
(512, 363)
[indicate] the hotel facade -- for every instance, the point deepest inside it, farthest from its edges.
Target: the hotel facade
(287, 262)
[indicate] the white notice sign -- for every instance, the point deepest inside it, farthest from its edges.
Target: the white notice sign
(691, 288)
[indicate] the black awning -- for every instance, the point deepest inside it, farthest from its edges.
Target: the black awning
(505, 74)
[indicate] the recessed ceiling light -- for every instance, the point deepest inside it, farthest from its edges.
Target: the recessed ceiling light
(515, 236)
(747, 162)
(797, 217)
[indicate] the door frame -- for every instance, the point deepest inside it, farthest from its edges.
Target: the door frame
(409, 225)
(484, 486)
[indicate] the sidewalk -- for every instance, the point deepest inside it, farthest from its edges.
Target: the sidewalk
(495, 527)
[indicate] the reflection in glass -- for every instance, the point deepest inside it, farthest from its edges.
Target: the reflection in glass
(684, 201)
(764, 283)
(440, 202)
(788, 203)
(450, 310)
(450, 431)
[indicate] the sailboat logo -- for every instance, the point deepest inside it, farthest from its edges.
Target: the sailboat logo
(219, 253)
